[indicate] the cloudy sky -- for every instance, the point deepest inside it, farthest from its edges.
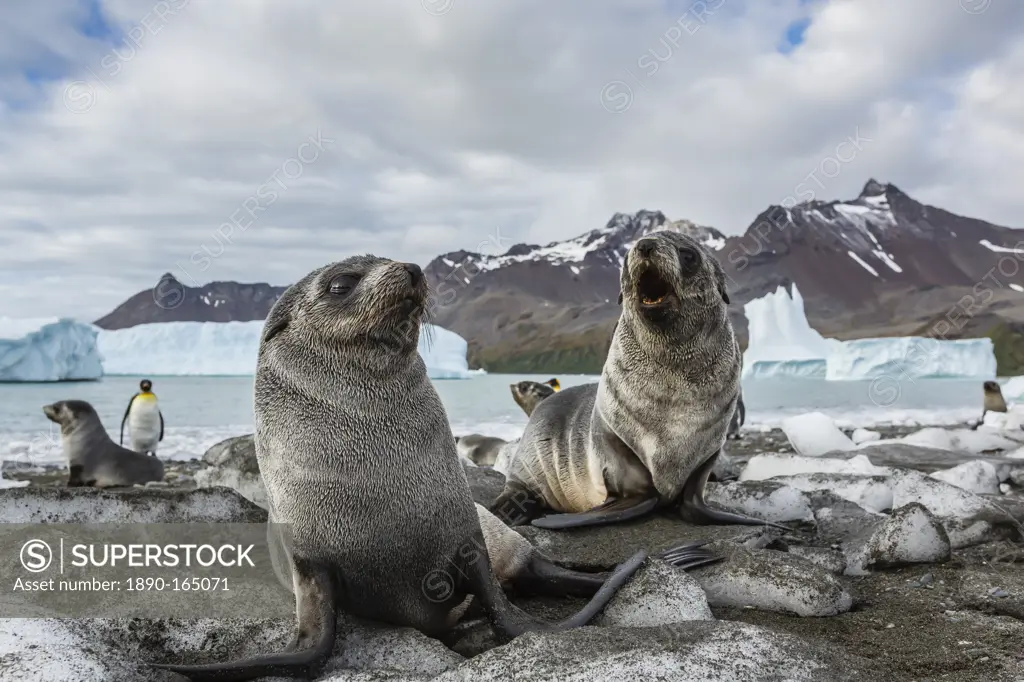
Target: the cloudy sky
(257, 139)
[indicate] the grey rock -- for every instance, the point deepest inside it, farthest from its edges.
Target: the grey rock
(232, 463)
(831, 560)
(924, 459)
(911, 535)
(697, 650)
(770, 580)
(132, 505)
(658, 594)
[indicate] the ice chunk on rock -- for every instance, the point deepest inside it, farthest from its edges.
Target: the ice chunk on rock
(658, 594)
(911, 535)
(770, 465)
(770, 580)
(814, 434)
(232, 463)
(766, 500)
(861, 436)
(698, 650)
(978, 477)
(48, 349)
(939, 497)
(873, 493)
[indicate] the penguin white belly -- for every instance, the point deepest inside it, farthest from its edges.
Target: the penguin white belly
(144, 424)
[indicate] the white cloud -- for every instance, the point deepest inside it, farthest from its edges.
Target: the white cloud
(488, 117)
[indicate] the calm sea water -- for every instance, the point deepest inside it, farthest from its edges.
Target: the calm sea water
(200, 411)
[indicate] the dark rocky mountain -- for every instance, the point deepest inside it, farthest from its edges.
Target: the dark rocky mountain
(172, 301)
(881, 264)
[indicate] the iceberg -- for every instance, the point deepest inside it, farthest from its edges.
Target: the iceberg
(783, 343)
(48, 349)
(230, 349)
(912, 356)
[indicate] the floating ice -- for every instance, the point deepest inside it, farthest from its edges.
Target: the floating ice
(912, 356)
(783, 343)
(230, 349)
(48, 349)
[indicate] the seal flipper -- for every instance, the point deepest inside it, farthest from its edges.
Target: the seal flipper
(308, 650)
(689, 556)
(615, 510)
(542, 576)
(694, 506)
(510, 621)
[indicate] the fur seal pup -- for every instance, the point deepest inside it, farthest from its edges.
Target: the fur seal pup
(994, 401)
(93, 458)
(479, 449)
(648, 434)
(738, 417)
(145, 421)
(346, 418)
(528, 394)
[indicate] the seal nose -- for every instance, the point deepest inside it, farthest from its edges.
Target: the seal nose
(415, 273)
(645, 247)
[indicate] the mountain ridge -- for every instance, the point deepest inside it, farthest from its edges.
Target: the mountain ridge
(881, 264)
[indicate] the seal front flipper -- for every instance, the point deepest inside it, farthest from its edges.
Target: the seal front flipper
(309, 649)
(614, 510)
(698, 511)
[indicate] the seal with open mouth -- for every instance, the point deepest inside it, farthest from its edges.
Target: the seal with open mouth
(647, 435)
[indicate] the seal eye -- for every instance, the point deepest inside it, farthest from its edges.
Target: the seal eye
(689, 260)
(344, 284)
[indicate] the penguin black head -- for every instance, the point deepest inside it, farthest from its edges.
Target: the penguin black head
(146, 385)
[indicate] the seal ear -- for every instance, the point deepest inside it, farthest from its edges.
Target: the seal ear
(720, 282)
(620, 298)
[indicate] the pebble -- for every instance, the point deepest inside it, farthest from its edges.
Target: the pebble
(998, 593)
(890, 626)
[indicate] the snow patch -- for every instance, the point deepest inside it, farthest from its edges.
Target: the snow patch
(887, 259)
(862, 263)
(998, 249)
(1016, 287)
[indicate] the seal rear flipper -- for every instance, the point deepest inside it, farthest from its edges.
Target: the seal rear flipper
(697, 510)
(307, 652)
(614, 510)
(510, 621)
(689, 556)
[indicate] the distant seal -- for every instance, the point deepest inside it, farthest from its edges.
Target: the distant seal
(994, 401)
(528, 394)
(738, 417)
(93, 458)
(354, 447)
(478, 449)
(648, 434)
(487, 450)
(145, 421)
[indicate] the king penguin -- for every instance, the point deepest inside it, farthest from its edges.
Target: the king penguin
(145, 422)
(553, 383)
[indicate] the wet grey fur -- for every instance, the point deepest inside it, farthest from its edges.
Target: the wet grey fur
(93, 458)
(664, 402)
(357, 455)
